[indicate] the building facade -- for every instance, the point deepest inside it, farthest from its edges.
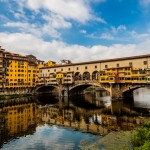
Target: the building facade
(17, 71)
(91, 70)
(2, 75)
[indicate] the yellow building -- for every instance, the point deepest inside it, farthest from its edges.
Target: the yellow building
(1, 68)
(16, 70)
(124, 75)
(21, 71)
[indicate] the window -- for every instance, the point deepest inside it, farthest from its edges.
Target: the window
(95, 67)
(77, 68)
(130, 64)
(85, 67)
(54, 70)
(106, 66)
(61, 69)
(69, 69)
(145, 62)
(117, 65)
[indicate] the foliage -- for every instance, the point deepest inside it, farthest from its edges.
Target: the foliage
(141, 139)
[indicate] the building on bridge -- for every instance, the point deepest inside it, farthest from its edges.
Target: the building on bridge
(116, 76)
(135, 67)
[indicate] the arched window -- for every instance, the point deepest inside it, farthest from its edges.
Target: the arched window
(86, 76)
(95, 75)
(77, 76)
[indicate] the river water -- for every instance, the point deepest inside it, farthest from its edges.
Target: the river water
(49, 122)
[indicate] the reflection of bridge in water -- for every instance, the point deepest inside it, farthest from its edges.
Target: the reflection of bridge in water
(93, 121)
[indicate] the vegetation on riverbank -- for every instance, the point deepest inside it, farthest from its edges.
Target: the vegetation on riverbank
(141, 138)
(138, 139)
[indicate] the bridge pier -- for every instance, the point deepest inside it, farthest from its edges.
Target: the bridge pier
(115, 91)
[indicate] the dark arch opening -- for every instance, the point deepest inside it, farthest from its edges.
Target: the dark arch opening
(95, 75)
(86, 76)
(83, 87)
(77, 76)
(47, 89)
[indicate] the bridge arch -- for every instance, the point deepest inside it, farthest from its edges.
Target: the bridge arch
(83, 86)
(131, 88)
(46, 88)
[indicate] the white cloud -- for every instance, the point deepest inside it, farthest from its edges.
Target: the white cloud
(106, 36)
(115, 30)
(25, 27)
(145, 3)
(53, 22)
(50, 16)
(78, 10)
(56, 21)
(70, 9)
(56, 50)
(139, 37)
(83, 31)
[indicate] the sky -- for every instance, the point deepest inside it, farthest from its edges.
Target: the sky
(77, 30)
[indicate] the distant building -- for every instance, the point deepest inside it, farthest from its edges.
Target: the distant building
(63, 62)
(50, 63)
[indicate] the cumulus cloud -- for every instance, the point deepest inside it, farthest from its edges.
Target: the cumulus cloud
(78, 10)
(54, 22)
(56, 50)
(49, 17)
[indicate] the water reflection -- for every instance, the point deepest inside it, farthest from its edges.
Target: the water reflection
(142, 98)
(17, 118)
(36, 118)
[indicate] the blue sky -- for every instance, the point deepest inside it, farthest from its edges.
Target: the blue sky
(78, 30)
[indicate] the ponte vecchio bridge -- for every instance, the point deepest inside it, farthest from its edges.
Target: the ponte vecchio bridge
(118, 76)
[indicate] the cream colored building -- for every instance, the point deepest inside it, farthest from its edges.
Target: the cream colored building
(90, 70)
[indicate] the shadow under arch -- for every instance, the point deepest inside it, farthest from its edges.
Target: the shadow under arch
(47, 89)
(82, 87)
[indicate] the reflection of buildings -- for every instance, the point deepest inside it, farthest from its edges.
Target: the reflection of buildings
(3, 121)
(18, 118)
(89, 122)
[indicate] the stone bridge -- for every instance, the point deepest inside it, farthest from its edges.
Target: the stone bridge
(116, 90)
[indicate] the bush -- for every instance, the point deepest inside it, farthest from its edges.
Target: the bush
(141, 139)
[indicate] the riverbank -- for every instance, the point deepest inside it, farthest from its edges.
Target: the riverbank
(12, 96)
(115, 140)
(120, 140)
